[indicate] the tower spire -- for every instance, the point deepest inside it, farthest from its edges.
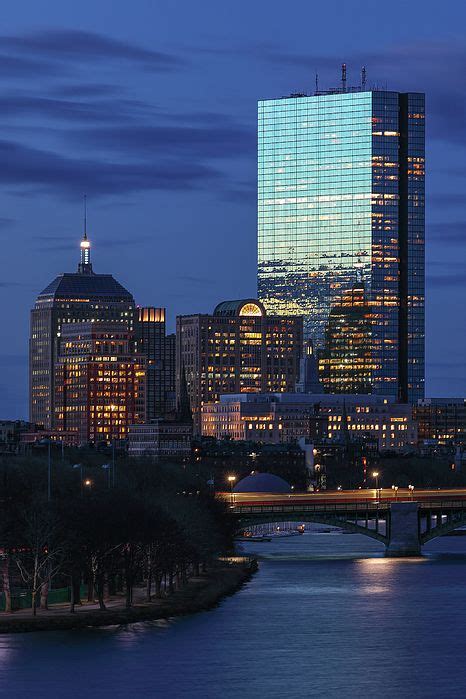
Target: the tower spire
(85, 217)
(85, 266)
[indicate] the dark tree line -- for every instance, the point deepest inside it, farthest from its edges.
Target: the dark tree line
(155, 528)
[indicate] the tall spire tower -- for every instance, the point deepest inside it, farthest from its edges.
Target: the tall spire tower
(85, 266)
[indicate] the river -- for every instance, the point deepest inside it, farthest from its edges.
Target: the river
(326, 616)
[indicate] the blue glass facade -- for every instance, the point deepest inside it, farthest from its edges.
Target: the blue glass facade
(341, 199)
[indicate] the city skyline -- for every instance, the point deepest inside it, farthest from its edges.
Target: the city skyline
(196, 108)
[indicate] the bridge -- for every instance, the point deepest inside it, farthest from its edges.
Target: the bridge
(403, 520)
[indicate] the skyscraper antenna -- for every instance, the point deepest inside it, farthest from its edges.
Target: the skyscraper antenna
(343, 77)
(363, 78)
(317, 83)
(85, 217)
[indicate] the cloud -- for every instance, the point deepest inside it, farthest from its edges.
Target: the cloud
(207, 141)
(6, 222)
(447, 279)
(87, 47)
(244, 192)
(447, 232)
(20, 67)
(24, 166)
(201, 281)
(444, 200)
(103, 110)
(85, 90)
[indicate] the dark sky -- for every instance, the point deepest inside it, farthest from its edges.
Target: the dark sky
(150, 106)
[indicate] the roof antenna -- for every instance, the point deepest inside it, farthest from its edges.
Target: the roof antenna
(363, 78)
(343, 77)
(85, 217)
(317, 83)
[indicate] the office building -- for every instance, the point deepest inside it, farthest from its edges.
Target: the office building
(159, 350)
(160, 439)
(99, 383)
(341, 194)
(237, 349)
(83, 296)
(442, 420)
(285, 418)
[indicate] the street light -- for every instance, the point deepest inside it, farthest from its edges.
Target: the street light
(411, 490)
(395, 490)
(231, 480)
(375, 474)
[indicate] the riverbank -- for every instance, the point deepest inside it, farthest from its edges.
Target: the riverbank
(200, 594)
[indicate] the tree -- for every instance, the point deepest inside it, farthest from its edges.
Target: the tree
(39, 551)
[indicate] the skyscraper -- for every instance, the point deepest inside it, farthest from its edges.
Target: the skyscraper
(77, 297)
(159, 350)
(341, 193)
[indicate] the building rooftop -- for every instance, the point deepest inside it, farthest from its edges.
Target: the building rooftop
(240, 307)
(69, 285)
(310, 398)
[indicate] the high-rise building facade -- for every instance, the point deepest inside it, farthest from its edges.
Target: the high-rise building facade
(100, 383)
(83, 296)
(341, 193)
(346, 360)
(159, 350)
(237, 349)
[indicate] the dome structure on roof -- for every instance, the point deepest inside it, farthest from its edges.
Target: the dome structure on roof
(241, 307)
(262, 483)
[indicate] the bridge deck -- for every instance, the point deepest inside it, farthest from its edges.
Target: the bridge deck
(346, 500)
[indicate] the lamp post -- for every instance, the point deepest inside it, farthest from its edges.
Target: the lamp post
(231, 480)
(80, 466)
(49, 470)
(375, 474)
(395, 490)
(113, 461)
(107, 468)
(411, 490)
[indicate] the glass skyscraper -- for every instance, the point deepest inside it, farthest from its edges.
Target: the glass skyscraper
(341, 198)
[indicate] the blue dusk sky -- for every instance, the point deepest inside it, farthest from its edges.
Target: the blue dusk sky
(149, 107)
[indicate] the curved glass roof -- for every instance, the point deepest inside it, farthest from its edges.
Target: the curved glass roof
(233, 308)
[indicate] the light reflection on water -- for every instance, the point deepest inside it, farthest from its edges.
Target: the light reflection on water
(326, 616)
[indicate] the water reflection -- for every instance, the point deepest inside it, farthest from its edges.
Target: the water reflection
(322, 613)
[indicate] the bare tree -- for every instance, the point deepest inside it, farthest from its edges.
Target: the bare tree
(40, 555)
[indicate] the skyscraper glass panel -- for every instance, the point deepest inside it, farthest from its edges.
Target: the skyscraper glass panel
(341, 198)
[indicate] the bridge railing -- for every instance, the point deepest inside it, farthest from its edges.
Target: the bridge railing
(442, 505)
(369, 505)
